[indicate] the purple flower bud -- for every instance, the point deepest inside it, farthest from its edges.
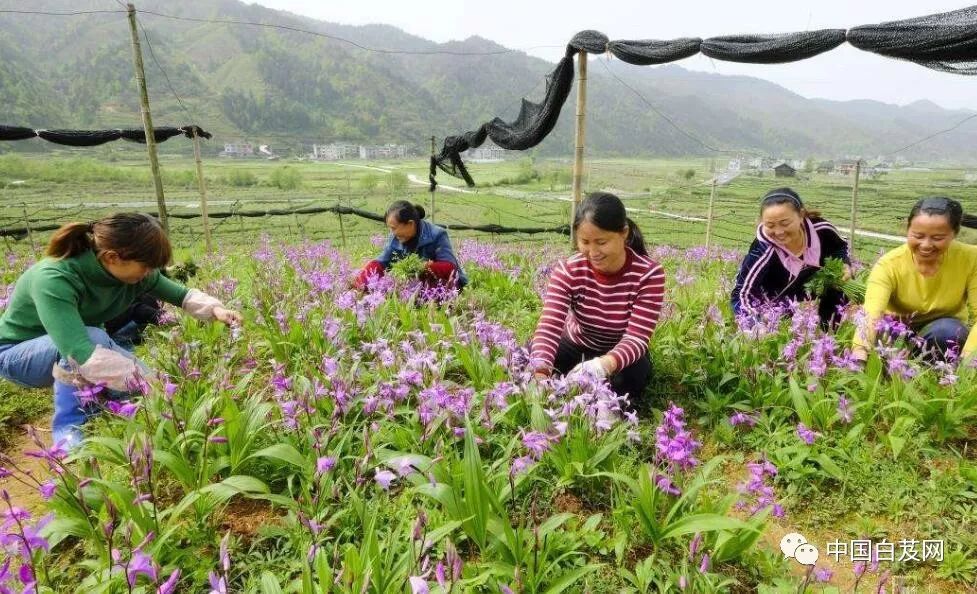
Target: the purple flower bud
(325, 464)
(418, 585)
(704, 564)
(384, 478)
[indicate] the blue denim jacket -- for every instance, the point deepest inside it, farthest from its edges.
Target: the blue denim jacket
(432, 244)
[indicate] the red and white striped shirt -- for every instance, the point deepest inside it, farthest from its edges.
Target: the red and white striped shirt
(607, 313)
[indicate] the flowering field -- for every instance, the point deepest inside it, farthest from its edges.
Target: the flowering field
(393, 441)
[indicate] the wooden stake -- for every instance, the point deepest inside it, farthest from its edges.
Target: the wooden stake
(435, 190)
(147, 118)
(203, 191)
(854, 208)
(580, 138)
(30, 232)
(712, 202)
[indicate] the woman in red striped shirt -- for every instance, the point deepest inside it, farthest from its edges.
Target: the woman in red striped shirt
(602, 304)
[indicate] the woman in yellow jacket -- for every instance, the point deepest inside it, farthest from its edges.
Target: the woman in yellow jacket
(929, 282)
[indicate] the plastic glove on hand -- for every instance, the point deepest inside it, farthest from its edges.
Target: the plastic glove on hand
(592, 367)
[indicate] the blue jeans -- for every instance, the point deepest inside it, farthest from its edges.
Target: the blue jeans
(29, 364)
(943, 333)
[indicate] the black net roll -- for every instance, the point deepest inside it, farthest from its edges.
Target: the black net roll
(772, 49)
(945, 41)
(97, 137)
(16, 133)
(590, 41)
(534, 123)
(79, 137)
(160, 134)
(645, 52)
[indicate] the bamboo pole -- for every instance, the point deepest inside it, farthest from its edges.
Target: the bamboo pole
(203, 191)
(712, 203)
(854, 208)
(580, 139)
(147, 118)
(30, 232)
(435, 190)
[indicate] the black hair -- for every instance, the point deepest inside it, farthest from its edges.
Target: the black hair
(405, 211)
(789, 197)
(941, 205)
(608, 213)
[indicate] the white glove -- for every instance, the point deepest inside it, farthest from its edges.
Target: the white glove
(110, 368)
(200, 305)
(592, 367)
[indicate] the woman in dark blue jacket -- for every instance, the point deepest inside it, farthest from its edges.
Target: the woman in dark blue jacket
(791, 245)
(411, 234)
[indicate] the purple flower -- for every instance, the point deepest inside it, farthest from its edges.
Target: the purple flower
(675, 445)
(47, 490)
(704, 564)
(536, 442)
(742, 418)
(823, 574)
(694, 545)
(225, 557)
(844, 409)
(418, 585)
(217, 584)
(665, 484)
(125, 408)
(325, 464)
(807, 435)
(384, 478)
(139, 564)
(520, 465)
(756, 493)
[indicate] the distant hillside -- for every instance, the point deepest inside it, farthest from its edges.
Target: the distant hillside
(291, 89)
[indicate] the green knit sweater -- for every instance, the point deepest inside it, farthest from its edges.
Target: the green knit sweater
(60, 297)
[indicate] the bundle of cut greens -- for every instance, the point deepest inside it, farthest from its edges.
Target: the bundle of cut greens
(830, 277)
(409, 267)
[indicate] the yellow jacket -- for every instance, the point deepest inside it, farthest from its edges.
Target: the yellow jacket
(896, 287)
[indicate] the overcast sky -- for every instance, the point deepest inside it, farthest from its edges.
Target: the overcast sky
(843, 73)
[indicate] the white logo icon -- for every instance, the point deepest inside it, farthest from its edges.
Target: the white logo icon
(790, 542)
(806, 554)
(795, 546)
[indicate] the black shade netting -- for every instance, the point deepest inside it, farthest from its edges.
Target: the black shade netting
(946, 42)
(772, 49)
(97, 137)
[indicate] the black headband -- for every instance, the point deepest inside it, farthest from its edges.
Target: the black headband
(793, 199)
(938, 203)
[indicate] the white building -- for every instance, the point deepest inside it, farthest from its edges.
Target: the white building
(387, 151)
(335, 151)
(238, 149)
(485, 154)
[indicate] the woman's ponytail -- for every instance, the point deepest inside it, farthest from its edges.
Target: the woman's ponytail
(70, 240)
(636, 241)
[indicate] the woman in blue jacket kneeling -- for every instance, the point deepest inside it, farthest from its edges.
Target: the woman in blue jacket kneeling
(411, 234)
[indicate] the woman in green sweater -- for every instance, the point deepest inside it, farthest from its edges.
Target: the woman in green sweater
(929, 282)
(51, 330)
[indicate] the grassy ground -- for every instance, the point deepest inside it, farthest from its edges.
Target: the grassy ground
(513, 193)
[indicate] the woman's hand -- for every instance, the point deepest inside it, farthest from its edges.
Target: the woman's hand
(228, 316)
(847, 276)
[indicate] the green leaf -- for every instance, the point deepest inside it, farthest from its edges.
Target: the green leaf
(284, 452)
(830, 467)
(703, 523)
(269, 584)
(568, 579)
(799, 397)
